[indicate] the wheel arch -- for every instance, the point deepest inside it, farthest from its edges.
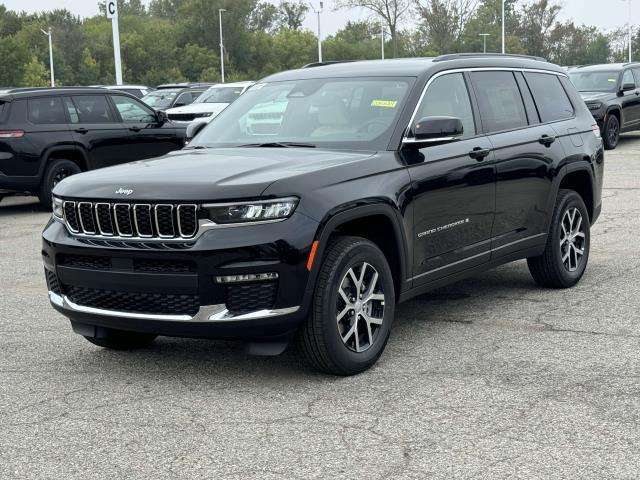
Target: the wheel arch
(578, 177)
(74, 153)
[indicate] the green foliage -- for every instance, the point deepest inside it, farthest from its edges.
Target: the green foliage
(178, 40)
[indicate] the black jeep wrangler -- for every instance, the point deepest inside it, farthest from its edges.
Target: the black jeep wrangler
(372, 182)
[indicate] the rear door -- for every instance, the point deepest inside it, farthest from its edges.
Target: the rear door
(148, 137)
(525, 150)
(95, 126)
(453, 188)
(630, 102)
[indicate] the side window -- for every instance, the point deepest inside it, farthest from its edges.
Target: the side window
(93, 109)
(71, 108)
(48, 110)
(549, 95)
(500, 102)
(185, 98)
(132, 111)
(448, 96)
(636, 74)
(627, 77)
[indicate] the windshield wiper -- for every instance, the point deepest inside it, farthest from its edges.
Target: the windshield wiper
(279, 145)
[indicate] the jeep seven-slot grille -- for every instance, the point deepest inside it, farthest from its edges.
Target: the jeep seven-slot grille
(129, 220)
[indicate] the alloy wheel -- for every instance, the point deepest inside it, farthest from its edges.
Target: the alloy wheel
(572, 240)
(60, 175)
(360, 307)
(613, 132)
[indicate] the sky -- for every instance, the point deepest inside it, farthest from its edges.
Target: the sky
(606, 14)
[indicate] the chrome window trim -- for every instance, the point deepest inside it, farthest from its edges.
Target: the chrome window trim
(66, 222)
(135, 219)
(406, 139)
(115, 217)
(155, 211)
(79, 214)
(95, 207)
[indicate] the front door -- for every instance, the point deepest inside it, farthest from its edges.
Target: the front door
(453, 188)
(630, 100)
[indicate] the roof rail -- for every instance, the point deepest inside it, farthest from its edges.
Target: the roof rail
(321, 64)
(456, 56)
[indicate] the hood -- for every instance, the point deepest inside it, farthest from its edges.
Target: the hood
(213, 108)
(203, 175)
(595, 96)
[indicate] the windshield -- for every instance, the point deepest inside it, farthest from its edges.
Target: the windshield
(219, 95)
(160, 98)
(351, 113)
(594, 81)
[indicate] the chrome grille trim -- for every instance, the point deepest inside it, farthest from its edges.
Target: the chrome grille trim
(129, 221)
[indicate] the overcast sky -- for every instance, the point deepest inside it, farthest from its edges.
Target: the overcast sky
(607, 14)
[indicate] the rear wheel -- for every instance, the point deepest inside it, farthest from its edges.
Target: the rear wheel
(611, 132)
(352, 311)
(566, 254)
(121, 340)
(56, 171)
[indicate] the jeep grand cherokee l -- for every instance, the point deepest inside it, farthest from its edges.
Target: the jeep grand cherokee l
(612, 95)
(48, 134)
(384, 180)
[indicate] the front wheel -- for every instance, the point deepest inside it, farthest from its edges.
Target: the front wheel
(56, 171)
(611, 134)
(352, 311)
(565, 256)
(121, 340)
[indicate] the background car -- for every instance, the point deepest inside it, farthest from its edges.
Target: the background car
(137, 91)
(48, 134)
(612, 96)
(174, 95)
(210, 103)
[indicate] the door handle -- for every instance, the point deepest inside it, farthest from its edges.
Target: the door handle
(547, 140)
(479, 153)
(81, 130)
(135, 129)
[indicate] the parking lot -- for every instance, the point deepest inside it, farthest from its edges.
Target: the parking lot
(492, 377)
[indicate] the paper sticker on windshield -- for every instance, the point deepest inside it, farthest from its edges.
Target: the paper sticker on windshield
(612, 80)
(257, 86)
(384, 103)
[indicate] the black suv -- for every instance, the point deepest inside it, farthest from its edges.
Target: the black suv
(173, 95)
(612, 95)
(49, 134)
(380, 181)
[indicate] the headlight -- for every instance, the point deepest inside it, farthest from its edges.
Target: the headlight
(259, 211)
(594, 106)
(58, 211)
(203, 115)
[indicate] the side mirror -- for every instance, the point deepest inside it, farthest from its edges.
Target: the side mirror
(193, 129)
(161, 117)
(628, 86)
(436, 130)
(179, 104)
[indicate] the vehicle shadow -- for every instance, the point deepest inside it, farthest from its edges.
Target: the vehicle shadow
(20, 205)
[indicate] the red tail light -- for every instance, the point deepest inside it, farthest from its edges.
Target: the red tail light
(596, 130)
(11, 133)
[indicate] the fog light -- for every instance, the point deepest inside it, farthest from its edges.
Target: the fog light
(249, 277)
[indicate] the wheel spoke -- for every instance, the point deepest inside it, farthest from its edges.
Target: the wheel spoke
(343, 312)
(355, 332)
(351, 331)
(353, 278)
(372, 286)
(579, 235)
(362, 272)
(344, 296)
(369, 319)
(577, 229)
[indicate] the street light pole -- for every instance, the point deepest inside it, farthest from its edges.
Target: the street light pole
(382, 36)
(48, 34)
(503, 49)
(484, 37)
(318, 12)
(629, 29)
(220, 10)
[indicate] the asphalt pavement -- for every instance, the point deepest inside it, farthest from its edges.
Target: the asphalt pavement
(489, 378)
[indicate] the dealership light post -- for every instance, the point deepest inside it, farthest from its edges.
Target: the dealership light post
(48, 34)
(503, 50)
(484, 38)
(112, 13)
(221, 45)
(318, 12)
(629, 28)
(382, 37)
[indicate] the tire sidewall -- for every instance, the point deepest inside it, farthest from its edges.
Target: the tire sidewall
(571, 200)
(611, 121)
(344, 357)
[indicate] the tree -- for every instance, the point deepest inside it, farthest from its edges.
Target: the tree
(14, 56)
(264, 18)
(444, 21)
(88, 71)
(35, 74)
(292, 14)
(391, 11)
(536, 21)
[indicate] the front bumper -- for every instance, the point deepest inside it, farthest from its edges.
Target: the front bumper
(96, 284)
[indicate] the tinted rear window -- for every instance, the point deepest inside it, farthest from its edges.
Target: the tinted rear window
(46, 111)
(548, 93)
(93, 109)
(500, 102)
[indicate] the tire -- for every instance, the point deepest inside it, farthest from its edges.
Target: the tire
(121, 340)
(328, 340)
(611, 132)
(56, 171)
(561, 265)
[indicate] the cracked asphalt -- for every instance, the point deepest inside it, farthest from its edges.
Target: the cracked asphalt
(491, 377)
